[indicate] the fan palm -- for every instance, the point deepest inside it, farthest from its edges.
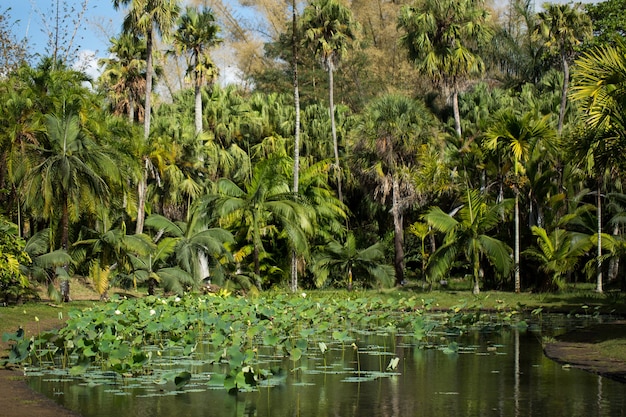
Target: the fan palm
(329, 28)
(197, 31)
(442, 37)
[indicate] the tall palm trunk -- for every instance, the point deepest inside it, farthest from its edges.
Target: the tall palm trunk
(599, 258)
(398, 229)
(331, 100)
(65, 229)
(142, 190)
(455, 111)
(148, 101)
(296, 145)
(563, 92)
(198, 98)
(518, 284)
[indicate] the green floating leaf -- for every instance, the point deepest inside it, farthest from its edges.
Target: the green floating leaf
(182, 379)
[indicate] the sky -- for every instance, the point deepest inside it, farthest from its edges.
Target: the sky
(34, 19)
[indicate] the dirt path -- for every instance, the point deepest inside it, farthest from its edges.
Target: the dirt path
(579, 349)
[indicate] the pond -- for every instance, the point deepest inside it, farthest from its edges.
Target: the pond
(476, 373)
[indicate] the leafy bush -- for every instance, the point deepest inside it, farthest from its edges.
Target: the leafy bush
(14, 284)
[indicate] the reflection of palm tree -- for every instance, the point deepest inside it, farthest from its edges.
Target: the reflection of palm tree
(468, 236)
(345, 260)
(329, 27)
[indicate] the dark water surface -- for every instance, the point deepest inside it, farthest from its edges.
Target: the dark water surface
(493, 374)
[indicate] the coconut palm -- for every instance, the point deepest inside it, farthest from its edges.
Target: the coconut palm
(442, 38)
(469, 236)
(345, 262)
(197, 32)
(329, 28)
(563, 27)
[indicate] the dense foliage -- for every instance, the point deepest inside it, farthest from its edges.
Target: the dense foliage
(453, 148)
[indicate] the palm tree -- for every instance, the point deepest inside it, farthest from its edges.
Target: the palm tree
(469, 236)
(442, 38)
(599, 79)
(196, 243)
(394, 129)
(329, 28)
(197, 31)
(519, 135)
(346, 260)
(124, 74)
(65, 172)
(264, 208)
(564, 26)
(558, 252)
(148, 17)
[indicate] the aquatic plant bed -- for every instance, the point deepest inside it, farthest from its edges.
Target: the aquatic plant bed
(240, 344)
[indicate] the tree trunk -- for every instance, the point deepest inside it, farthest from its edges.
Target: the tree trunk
(198, 97)
(563, 93)
(333, 129)
(257, 268)
(398, 229)
(296, 137)
(599, 258)
(149, 69)
(518, 284)
(142, 190)
(455, 110)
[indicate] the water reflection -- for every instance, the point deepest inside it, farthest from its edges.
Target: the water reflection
(493, 374)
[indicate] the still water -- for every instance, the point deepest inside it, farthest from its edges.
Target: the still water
(492, 374)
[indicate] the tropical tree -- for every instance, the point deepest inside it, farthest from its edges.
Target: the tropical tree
(563, 27)
(329, 28)
(346, 262)
(14, 283)
(599, 81)
(558, 252)
(470, 237)
(147, 18)
(197, 32)
(389, 139)
(517, 136)
(124, 76)
(264, 208)
(197, 246)
(443, 39)
(64, 172)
